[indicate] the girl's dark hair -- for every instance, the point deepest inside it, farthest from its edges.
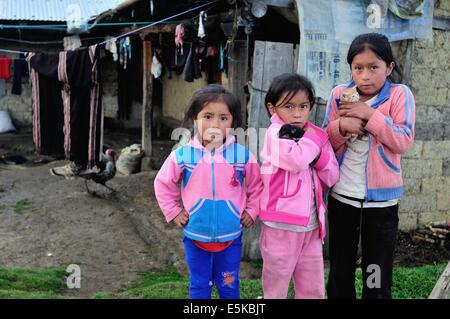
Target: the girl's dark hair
(378, 44)
(208, 94)
(290, 83)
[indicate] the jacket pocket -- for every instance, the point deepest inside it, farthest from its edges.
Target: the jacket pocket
(296, 203)
(200, 217)
(229, 219)
(387, 161)
(196, 207)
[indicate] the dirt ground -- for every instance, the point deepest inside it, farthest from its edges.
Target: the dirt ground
(47, 221)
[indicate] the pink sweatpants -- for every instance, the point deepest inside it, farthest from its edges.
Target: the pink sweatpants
(288, 254)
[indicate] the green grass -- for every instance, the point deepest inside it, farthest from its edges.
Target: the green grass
(409, 283)
(31, 284)
(2, 189)
(22, 205)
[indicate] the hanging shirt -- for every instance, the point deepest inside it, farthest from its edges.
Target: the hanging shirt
(5, 64)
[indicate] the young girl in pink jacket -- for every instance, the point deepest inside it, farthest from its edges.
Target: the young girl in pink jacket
(220, 192)
(364, 203)
(298, 166)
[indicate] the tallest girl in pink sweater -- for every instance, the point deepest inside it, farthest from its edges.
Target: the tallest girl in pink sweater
(365, 199)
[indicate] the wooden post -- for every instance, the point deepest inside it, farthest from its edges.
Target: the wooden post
(237, 73)
(147, 105)
(269, 60)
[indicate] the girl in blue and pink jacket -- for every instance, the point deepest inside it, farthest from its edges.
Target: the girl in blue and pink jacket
(296, 172)
(220, 192)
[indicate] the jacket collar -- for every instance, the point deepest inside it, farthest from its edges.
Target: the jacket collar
(196, 143)
(275, 119)
(383, 95)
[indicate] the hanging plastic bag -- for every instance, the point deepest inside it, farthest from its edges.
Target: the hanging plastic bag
(156, 67)
(6, 124)
(407, 9)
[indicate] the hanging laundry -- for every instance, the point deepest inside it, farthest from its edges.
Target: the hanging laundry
(67, 104)
(201, 28)
(111, 46)
(128, 47)
(181, 58)
(125, 52)
(179, 37)
(72, 42)
(191, 69)
(210, 64)
(20, 69)
(5, 64)
(152, 7)
(2, 88)
(156, 67)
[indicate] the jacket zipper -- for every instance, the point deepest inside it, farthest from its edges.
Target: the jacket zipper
(214, 216)
(367, 182)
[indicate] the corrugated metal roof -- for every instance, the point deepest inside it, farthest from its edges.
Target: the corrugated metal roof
(54, 10)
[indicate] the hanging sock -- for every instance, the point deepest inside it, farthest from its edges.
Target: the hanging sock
(152, 7)
(179, 37)
(201, 28)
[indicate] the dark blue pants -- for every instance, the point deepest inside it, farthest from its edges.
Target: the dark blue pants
(206, 269)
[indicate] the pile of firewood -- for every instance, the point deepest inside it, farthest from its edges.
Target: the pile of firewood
(433, 233)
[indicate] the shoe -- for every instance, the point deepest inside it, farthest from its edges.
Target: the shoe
(68, 171)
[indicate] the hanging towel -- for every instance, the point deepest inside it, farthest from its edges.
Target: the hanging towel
(67, 104)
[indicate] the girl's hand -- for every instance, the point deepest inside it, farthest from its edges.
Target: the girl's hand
(182, 219)
(351, 125)
(246, 219)
(359, 110)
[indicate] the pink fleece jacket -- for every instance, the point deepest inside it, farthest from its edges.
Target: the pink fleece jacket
(391, 134)
(288, 180)
(216, 188)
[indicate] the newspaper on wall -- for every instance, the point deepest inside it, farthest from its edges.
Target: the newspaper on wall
(328, 27)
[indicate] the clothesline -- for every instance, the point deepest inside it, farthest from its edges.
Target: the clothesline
(132, 31)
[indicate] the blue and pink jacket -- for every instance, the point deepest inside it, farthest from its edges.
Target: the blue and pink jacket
(288, 174)
(216, 188)
(391, 134)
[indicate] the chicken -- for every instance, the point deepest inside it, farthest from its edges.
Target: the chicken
(107, 171)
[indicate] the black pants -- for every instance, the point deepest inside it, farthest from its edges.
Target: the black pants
(378, 228)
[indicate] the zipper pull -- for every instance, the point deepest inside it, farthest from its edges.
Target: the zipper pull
(234, 180)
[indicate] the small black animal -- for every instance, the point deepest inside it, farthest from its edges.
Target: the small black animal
(291, 132)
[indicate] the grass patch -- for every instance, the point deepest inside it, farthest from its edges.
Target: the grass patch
(408, 283)
(31, 284)
(2, 189)
(22, 205)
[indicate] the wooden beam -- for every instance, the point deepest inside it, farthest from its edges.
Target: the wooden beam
(147, 105)
(442, 288)
(237, 74)
(408, 62)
